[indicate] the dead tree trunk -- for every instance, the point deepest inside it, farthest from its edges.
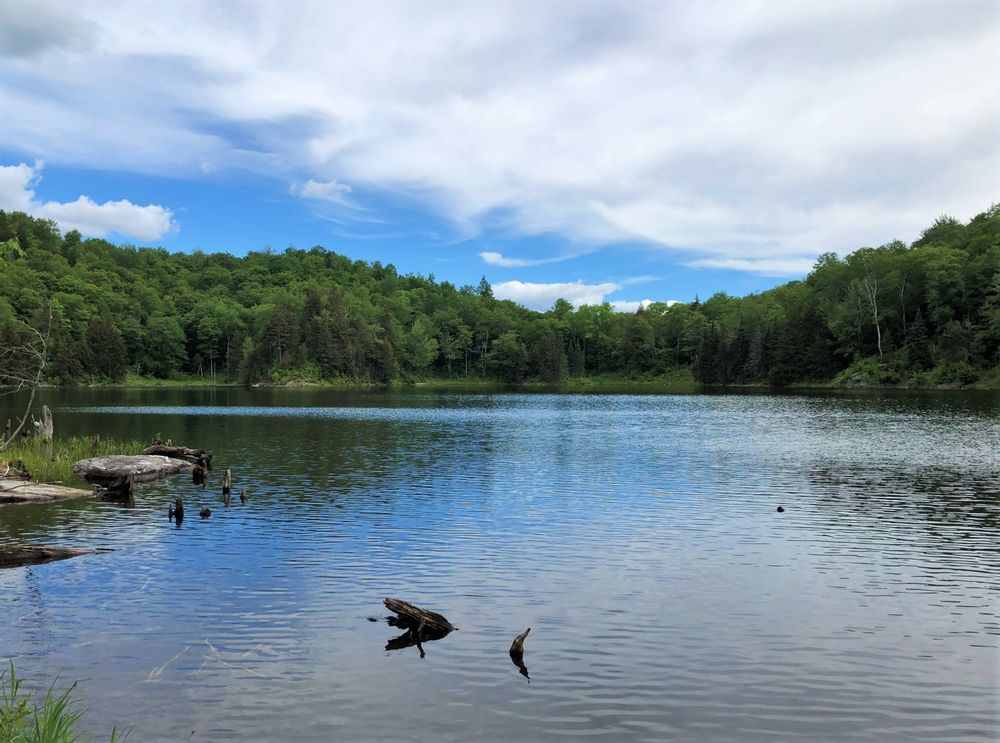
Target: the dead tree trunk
(23, 365)
(871, 291)
(43, 428)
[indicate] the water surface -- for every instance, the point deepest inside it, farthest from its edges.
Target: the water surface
(636, 535)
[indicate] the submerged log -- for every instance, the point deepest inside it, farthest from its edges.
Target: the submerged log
(16, 555)
(25, 491)
(112, 470)
(413, 617)
(179, 452)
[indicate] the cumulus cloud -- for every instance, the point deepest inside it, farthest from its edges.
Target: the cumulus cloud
(17, 183)
(543, 296)
(629, 306)
(761, 135)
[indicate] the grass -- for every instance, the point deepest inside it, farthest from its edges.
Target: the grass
(179, 380)
(53, 720)
(53, 463)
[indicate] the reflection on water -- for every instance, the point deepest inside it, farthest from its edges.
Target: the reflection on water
(637, 535)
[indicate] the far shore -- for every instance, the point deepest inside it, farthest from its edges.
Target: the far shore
(681, 382)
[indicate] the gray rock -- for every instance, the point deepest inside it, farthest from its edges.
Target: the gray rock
(110, 470)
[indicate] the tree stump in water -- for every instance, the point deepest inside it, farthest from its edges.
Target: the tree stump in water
(517, 653)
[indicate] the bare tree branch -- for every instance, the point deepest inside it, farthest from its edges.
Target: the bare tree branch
(22, 366)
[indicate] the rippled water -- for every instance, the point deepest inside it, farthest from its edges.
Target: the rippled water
(636, 535)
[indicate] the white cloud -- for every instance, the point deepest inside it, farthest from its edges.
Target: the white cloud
(760, 134)
(767, 266)
(17, 184)
(331, 191)
(543, 296)
(626, 305)
(499, 259)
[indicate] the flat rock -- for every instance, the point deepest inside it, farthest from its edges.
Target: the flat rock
(113, 469)
(23, 491)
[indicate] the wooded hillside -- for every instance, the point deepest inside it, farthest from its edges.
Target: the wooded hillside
(926, 313)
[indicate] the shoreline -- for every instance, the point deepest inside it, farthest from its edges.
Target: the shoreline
(586, 384)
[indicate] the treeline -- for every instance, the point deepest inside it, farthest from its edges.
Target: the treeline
(928, 312)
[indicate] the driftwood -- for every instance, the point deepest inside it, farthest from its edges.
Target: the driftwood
(410, 616)
(25, 491)
(16, 555)
(112, 470)
(421, 625)
(179, 452)
(517, 653)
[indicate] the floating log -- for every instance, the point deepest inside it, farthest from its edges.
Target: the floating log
(413, 617)
(16, 555)
(421, 625)
(112, 470)
(179, 452)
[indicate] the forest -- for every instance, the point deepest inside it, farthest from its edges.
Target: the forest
(927, 313)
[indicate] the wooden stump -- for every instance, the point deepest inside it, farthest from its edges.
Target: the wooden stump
(517, 653)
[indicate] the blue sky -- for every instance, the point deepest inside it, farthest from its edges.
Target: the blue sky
(594, 151)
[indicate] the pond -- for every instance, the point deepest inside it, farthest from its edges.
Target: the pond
(637, 535)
